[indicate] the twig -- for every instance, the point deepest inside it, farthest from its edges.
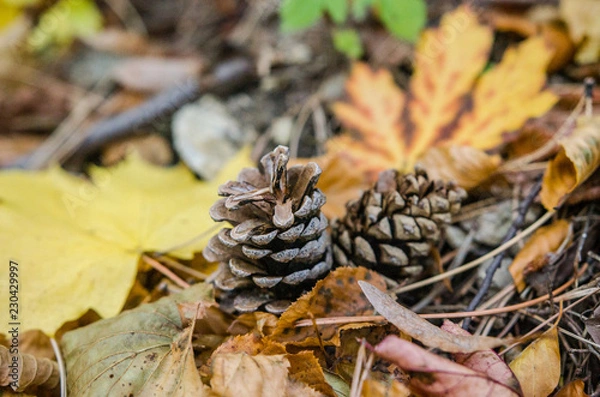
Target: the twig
(479, 313)
(225, 75)
(542, 324)
(182, 268)
(495, 265)
(165, 271)
(468, 266)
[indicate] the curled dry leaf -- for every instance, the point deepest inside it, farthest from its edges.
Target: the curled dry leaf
(446, 82)
(538, 366)
(433, 375)
(338, 294)
(88, 235)
(465, 165)
(544, 241)
(140, 352)
(31, 371)
(422, 330)
(577, 158)
(484, 361)
(574, 388)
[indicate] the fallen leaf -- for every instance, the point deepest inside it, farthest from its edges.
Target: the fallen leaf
(544, 241)
(153, 148)
(577, 158)
(305, 368)
(239, 374)
(433, 375)
(422, 330)
(63, 22)
(574, 388)
(538, 366)
(443, 76)
(140, 352)
(583, 27)
(465, 165)
(377, 388)
(448, 103)
(25, 371)
(484, 361)
(84, 238)
(351, 337)
(374, 111)
(496, 110)
(341, 182)
(338, 294)
(341, 388)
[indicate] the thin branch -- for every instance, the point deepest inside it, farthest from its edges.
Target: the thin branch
(495, 265)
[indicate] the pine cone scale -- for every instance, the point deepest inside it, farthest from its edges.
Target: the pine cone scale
(393, 227)
(279, 245)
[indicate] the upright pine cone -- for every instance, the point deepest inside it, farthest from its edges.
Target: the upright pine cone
(279, 246)
(393, 226)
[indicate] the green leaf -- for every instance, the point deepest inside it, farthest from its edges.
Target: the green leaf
(403, 18)
(337, 9)
(64, 21)
(348, 42)
(359, 8)
(299, 14)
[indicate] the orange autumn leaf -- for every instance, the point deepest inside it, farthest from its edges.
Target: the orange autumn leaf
(466, 165)
(575, 388)
(375, 112)
(448, 103)
(577, 158)
(448, 60)
(508, 95)
(545, 240)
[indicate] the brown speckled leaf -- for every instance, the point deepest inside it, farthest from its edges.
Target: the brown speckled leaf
(336, 295)
(143, 351)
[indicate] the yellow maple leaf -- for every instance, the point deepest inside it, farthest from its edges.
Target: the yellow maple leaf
(446, 83)
(77, 243)
(577, 158)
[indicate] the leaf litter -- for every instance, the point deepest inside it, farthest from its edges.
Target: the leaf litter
(463, 115)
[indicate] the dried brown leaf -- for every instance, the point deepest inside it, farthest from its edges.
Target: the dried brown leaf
(544, 241)
(239, 374)
(336, 295)
(23, 371)
(305, 368)
(411, 324)
(484, 361)
(433, 375)
(577, 158)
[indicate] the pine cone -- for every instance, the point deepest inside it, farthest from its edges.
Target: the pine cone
(279, 246)
(393, 226)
